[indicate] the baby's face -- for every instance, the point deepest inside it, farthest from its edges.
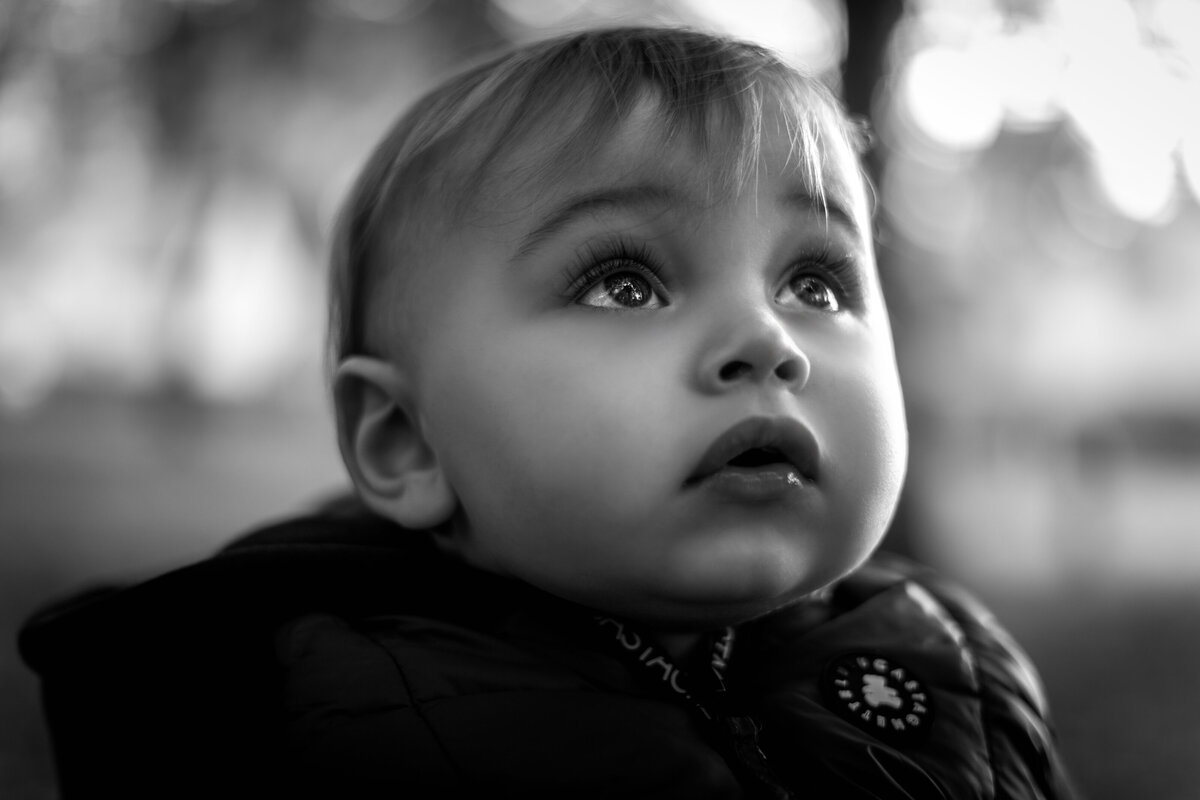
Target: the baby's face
(682, 411)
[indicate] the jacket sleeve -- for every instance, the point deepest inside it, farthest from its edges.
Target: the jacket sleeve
(1017, 724)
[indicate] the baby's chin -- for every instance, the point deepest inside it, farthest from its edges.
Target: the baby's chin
(702, 608)
(731, 594)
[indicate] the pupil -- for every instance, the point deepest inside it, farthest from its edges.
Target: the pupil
(813, 291)
(626, 290)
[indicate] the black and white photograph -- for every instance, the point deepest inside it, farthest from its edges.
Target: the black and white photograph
(696, 399)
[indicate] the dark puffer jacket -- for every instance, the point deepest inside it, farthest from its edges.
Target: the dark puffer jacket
(344, 658)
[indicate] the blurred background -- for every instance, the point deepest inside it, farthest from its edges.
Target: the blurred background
(168, 174)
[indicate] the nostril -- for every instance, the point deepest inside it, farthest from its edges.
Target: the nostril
(788, 371)
(734, 370)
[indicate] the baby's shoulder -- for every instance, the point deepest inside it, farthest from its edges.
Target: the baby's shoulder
(894, 610)
(924, 600)
(899, 662)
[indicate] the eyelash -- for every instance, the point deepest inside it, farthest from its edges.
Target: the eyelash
(846, 281)
(598, 261)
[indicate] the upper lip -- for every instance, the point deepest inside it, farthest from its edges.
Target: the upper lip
(792, 439)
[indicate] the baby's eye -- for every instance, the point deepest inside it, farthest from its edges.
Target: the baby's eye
(809, 290)
(621, 290)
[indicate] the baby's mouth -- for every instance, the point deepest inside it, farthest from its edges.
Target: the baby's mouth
(761, 445)
(758, 457)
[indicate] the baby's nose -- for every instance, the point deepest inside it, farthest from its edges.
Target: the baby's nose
(758, 350)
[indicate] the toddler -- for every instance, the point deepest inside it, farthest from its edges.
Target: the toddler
(615, 385)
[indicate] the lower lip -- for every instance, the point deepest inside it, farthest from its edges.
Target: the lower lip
(756, 484)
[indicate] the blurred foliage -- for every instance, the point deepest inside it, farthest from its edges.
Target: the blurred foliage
(169, 170)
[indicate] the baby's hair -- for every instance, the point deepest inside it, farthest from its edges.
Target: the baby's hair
(430, 167)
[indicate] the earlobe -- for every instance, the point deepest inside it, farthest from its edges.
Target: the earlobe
(396, 471)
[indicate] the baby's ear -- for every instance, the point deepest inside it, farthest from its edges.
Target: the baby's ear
(379, 432)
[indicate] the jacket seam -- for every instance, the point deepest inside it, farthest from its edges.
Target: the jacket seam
(986, 715)
(416, 706)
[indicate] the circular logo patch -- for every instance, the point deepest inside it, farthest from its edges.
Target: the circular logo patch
(877, 694)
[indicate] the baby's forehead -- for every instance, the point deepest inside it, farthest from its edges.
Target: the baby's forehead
(642, 164)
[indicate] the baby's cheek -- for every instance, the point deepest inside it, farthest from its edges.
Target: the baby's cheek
(873, 463)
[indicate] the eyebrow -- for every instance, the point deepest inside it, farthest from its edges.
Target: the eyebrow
(620, 198)
(650, 195)
(830, 206)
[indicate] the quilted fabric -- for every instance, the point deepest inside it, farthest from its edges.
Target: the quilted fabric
(342, 657)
